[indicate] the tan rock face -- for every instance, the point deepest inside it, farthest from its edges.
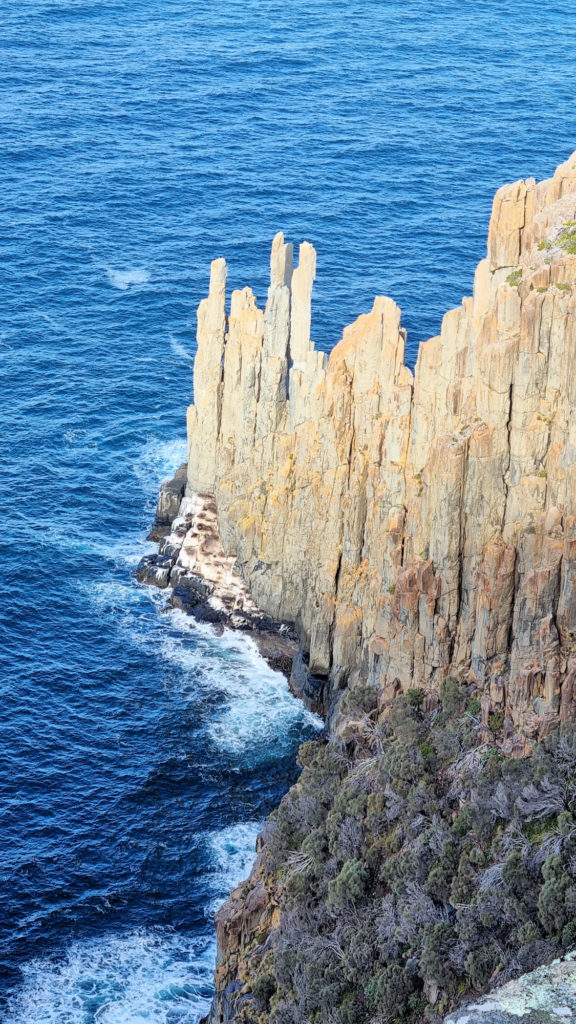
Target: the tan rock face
(414, 525)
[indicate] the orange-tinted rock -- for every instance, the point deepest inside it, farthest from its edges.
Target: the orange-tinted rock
(415, 525)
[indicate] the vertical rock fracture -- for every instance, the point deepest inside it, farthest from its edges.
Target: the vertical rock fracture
(413, 525)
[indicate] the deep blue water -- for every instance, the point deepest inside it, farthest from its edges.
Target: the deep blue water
(140, 139)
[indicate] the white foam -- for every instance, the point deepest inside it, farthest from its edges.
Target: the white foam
(158, 461)
(155, 975)
(113, 596)
(258, 710)
(126, 550)
(233, 851)
(150, 975)
(124, 279)
(179, 350)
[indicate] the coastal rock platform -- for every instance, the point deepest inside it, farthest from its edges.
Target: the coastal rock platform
(202, 579)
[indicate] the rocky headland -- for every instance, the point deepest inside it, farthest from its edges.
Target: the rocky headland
(418, 529)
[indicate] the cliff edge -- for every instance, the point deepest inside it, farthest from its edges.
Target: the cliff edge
(420, 530)
(415, 525)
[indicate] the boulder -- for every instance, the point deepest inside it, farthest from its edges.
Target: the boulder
(171, 494)
(154, 570)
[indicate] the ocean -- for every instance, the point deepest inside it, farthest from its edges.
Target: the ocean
(139, 753)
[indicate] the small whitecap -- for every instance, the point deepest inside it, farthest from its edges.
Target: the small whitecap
(158, 461)
(111, 596)
(258, 715)
(126, 550)
(124, 279)
(233, 850)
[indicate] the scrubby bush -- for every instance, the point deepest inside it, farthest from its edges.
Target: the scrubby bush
(389, 991)
(349, 886)
(360, 700)
(263, 989)
(417, 867)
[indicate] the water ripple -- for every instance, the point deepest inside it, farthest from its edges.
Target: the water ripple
(141, 140)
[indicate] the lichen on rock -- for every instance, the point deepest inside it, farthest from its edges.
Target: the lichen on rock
(545, 996)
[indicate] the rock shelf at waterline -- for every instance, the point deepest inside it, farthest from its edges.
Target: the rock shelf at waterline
(202, 580)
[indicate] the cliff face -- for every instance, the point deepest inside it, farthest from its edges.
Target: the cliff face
(415, 525)
(420, 529)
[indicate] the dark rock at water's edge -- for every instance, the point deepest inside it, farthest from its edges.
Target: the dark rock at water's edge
(311, 689)
(155, 570)
(203, 581)
(170, 496)
(189, 593)
(188, 598)
(169, 499)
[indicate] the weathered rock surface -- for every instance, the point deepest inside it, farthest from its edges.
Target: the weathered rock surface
(171, 494)
(202, 579)
(155, 570)
(245, 926)
(545, 996)
(169, 500)
(414, 524)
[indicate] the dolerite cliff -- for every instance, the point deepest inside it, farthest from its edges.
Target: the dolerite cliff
(420, 530)
(414, 524)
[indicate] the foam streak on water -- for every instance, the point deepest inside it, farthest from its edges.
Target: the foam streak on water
(150, 976)
(153, 975)
(244, 716)
(142, 139)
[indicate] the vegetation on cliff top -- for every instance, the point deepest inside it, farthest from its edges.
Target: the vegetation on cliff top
(415, 865)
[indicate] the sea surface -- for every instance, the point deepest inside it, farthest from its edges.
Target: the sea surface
(140, 139)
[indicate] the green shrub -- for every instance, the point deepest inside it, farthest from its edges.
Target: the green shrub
(263, 988)
(415, 697)
(349, 886)
(496, 720)
(360, 699)
(315, 846)
(567, 240)
(308, 753)
(552, 905)
(514, 278)
(481, 964)
(473, 706)
(435, 964)
(515, 874)
(417, 867)
(452, 696)
(389, 991)
(528, 932)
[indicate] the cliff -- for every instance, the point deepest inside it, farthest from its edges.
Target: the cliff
(420, 530)
(414, 525)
